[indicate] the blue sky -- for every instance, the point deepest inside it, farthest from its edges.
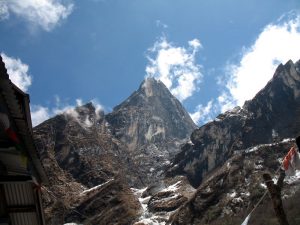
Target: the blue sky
(212, 55)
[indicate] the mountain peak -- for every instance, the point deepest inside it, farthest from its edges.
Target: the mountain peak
(86, 107)
(148, 85)
(152, 123)
(154, 100)
(153, 87)
(150, 90)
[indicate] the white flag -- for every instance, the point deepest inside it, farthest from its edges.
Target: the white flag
(246, 220)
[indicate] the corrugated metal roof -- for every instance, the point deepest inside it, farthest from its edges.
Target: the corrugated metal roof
(23, 218)
(19, 194)
(21, 203)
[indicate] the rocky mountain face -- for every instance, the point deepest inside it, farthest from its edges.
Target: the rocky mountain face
(231, 190)
(272, 114)
(226, 157)
(97, 163)
(79, 153)
(152, 124)
(129, 147)
(81, 143)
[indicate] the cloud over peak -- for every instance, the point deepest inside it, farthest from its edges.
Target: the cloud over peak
(244, 77)
(18, 72)
(41, 13)
(62, 107)
(175, 67)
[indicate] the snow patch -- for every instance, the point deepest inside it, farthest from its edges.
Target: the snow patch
(257, 147)
(73, 224)
(245, 194)
(237, 200)
(146, 217)
(287, 140)
(253, 149)
(151, 222)
(293, 179)
(233, 194)
(263, 185)
(173, 187)
(149, 218)
(258, 167)
(93, 189)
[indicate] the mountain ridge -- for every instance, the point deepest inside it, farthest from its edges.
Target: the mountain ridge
(132, 145)
(251, 125)
(145, 142)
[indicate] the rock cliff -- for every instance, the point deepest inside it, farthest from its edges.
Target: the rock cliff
(83, 148)
(272, 114)
(153, 124)
(96, 162)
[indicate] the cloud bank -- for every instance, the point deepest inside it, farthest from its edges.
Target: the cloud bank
(18, 72)
(41, 13)
(40, 113)
(277, 43)
(175, 66)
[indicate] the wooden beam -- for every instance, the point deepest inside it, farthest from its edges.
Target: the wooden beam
(4, 216)
(21, 208)
(14, 179)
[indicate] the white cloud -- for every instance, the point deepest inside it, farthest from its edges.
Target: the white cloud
(277, 43)
(203, 114)
(195, 43)
(99, 108)
(161, 24)
(4, 14)
(39, 114)
(43, 13)
(175, 67)
(225, 102)
(18, 72)
(79, 102)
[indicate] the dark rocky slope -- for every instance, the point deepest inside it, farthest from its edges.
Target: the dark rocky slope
(229, 193)
(78, 153)
(272, 113)
(81, 143)
(227, 157)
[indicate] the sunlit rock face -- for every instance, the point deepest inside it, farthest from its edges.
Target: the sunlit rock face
(272, 114)
(153, 124)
